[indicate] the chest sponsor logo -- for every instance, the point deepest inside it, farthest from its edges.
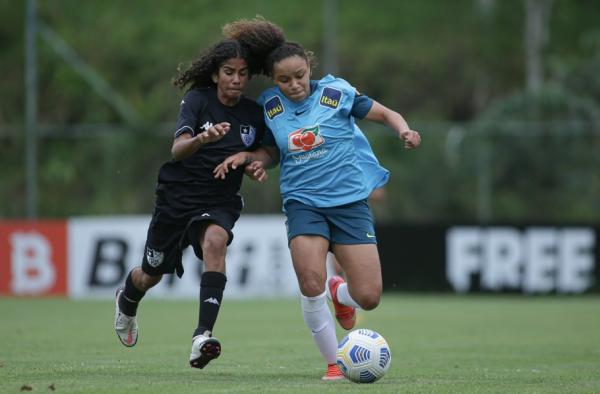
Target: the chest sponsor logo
(305, 139)
(330, 98)
(274, 107)
(248, 134)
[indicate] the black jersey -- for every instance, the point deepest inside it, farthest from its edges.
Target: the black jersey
(191, 180)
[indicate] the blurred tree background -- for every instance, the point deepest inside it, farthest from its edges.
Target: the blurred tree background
(506, 95)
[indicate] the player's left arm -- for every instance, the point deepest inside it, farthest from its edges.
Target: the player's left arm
(259, 159)
(256, 171)
(381, 114)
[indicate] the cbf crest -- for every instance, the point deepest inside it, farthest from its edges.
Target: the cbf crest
(248, 134)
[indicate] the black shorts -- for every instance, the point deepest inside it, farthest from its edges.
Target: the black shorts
(172, 230)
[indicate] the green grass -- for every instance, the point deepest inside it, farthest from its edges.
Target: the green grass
(440, 344)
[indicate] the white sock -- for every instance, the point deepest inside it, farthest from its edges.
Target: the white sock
(344, 297)
(319, 320)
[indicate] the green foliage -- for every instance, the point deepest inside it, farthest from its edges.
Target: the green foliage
(455, 70)
(538, 152)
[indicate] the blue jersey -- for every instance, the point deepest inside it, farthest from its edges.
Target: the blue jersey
(320, 147)
(375, 175)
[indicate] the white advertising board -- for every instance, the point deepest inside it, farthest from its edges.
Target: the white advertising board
(102, 251)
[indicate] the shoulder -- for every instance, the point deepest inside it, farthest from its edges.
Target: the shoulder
(199, 92)
(250, 109)
(330, 80)
(335, 92)
(266, 95)
(250, 104)
(272, 103)
(197, 96)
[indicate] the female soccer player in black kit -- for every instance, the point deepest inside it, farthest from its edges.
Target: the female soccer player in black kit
(192, 206)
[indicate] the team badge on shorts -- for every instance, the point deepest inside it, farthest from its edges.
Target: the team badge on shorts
(248, 134)
(154, 257)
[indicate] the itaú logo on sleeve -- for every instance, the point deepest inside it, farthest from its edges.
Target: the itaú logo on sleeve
(305, 139)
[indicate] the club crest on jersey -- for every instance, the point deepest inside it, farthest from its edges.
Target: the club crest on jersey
(305, 139)
(154, 257)
(248, 134)
(330, 98)
(273, 107)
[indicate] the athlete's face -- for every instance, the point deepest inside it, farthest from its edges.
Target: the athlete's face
(231, 80)
(292, 75)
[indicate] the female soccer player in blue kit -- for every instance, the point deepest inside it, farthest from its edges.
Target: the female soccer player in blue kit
(324, 181)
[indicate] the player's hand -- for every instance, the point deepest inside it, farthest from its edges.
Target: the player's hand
(256, 171)
(411, 138)
(232, 162)
(214, 133)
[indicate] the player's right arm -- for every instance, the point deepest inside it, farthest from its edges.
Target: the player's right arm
(185, 145)
(189, 135)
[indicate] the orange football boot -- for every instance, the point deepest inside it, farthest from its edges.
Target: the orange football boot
(345, 315)
(333, 373)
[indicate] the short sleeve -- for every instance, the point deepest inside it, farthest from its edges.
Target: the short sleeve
(361, 106)
(262, 98)
(191, 106)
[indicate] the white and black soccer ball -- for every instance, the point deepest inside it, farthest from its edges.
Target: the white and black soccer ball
(364, 356)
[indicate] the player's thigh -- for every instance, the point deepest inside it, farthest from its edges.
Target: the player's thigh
(362, 267)
(309, 254)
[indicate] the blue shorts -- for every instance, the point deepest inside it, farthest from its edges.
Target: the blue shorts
(345, 224)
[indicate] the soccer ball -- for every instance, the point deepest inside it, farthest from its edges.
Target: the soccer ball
(364, 356)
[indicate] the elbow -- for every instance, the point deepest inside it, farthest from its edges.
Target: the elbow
(272, 158)
(176, 154)
(274, 162)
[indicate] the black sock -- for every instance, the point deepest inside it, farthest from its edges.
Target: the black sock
(211, 294)
(130, 297)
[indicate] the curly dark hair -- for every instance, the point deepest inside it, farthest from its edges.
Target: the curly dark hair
(266, 41)
(199, 74)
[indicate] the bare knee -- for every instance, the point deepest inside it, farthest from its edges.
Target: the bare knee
(215, 244)
(311, 283)
(214, 247)
(369, 300)
(142, 281)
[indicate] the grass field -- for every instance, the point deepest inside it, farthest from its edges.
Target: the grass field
(440, 344)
